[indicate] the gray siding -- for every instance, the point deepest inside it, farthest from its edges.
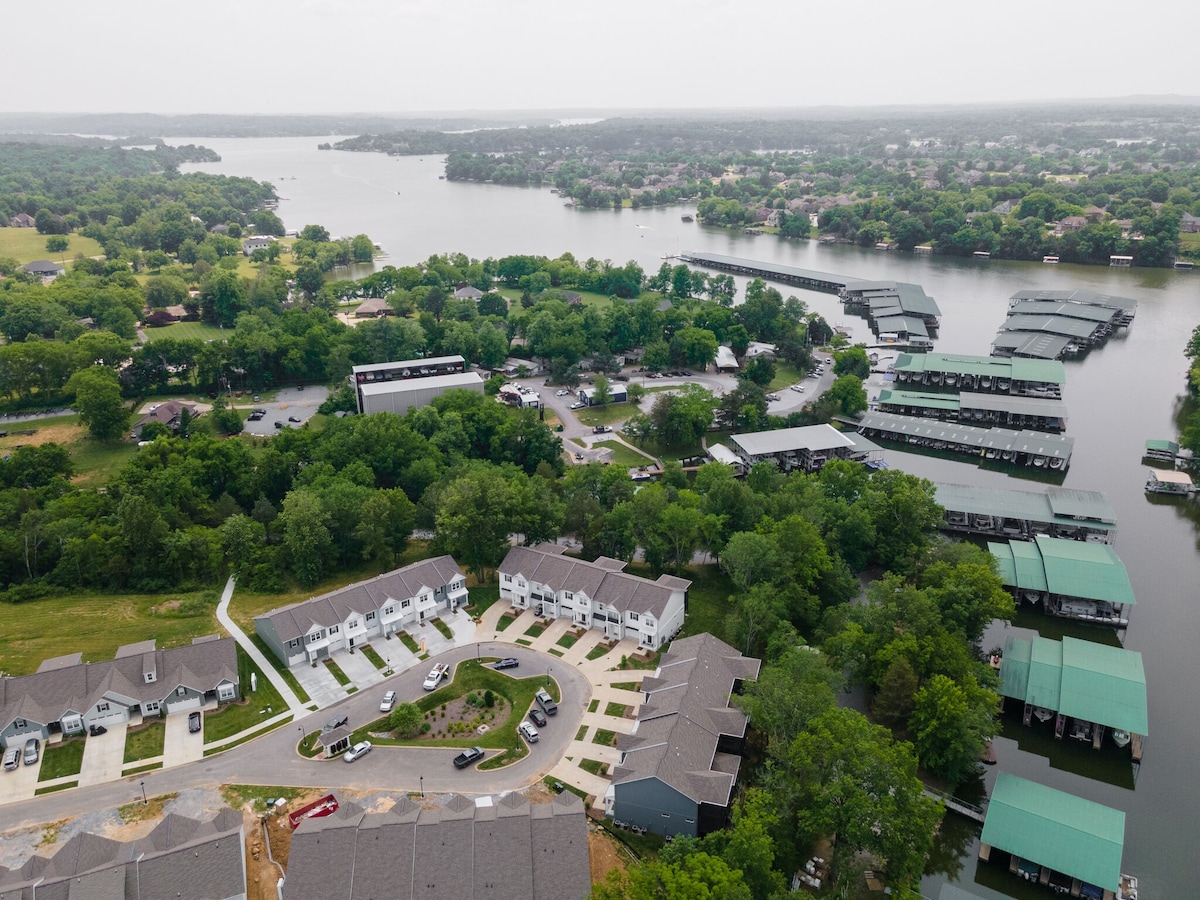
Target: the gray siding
(655, 806)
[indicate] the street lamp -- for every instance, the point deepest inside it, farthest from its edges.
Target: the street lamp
(422, 778)
(145, 802)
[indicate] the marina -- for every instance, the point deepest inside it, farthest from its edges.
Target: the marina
(1171, 483)
(804, 278)
(982, 409)
(982, 374)
(1023, 515)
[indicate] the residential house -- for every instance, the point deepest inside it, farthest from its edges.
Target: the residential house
(180, 858)
(755, 349)
(44, 269)
(1070, 223)
(486, 848)
(349, 617)
(466, 292)
(67, 695)
(594, 594)
(23, 220)
(258, 242)
(169, 414)
(373, 308)
(679, 765)
(1189, 224)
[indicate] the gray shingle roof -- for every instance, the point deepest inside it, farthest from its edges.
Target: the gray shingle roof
(621, 591)
(464, 850)
(47, 695)
(685, 714)
(365, 596)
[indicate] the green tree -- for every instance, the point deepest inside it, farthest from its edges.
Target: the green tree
(950, 723)
(601, 392)
(362, 250)
(405, 720)
(697, 877)
(306, 538)
(57, 244)
(241, 539)
(98, 401)
(893, 703)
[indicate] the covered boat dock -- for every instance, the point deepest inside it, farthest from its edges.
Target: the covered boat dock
(1021, 448)
(1020, 515)
(1086, 687)
(984, 409)
(1026, 345)
(981, 374)
(805, 278)
(1071, 579)
(1170, 482)
(806, 448)
(1055, 839)
(1124, 308)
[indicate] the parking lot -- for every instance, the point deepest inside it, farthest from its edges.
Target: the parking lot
(299, 404)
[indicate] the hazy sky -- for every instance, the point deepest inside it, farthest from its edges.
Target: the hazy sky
(318, 56)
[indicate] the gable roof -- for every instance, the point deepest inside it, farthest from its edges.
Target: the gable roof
(296, 620)
(602, 580)
(49, 694)
(1067, 833)
(686, 713)
(503, 848)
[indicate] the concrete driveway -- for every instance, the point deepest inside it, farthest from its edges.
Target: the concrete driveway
(103, 756)
(320, 685)
(20, 783)
(179, 745)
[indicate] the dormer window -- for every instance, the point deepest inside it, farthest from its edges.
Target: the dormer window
(149, 677)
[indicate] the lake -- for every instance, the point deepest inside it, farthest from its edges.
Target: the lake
(1117, 397)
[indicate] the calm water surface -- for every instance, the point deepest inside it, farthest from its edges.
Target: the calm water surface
(1117, 397)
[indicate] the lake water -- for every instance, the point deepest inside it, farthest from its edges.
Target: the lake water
(1117, 397)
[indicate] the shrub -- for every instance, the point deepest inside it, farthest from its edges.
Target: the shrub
(489, 699)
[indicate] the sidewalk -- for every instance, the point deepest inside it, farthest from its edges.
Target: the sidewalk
(265, 666)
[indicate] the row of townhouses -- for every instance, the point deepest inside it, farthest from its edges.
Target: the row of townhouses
(594, 594)
(66, 695)
(349, 617)
(679, 765)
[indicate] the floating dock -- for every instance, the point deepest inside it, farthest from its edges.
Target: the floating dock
(805, 278)
(1021, 515)
(1170, 482)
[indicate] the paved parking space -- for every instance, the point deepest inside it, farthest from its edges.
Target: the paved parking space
(320, 685)
(103, 756)
(358, 668)
(21, 783)
(180, 746)
(289, 403)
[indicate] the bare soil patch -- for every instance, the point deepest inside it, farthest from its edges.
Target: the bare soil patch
(605, 854)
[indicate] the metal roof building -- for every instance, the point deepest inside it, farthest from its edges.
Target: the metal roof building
(1029, 345)
(1019, 447)
(1065, 833)
(1127, 306)
(1014, 371)
(1086, 681)
(1069, 569)
(807, 447)
(995, 409)
(821, 281)
(1062, 512)
(401, 396)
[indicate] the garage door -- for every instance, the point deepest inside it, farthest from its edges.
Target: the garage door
(181, 705)
(115, 716)
(18, 740)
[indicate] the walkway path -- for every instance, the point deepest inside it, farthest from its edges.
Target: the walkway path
(264, 665)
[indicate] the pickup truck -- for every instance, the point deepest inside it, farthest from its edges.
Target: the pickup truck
(546, 702)
(435, 676)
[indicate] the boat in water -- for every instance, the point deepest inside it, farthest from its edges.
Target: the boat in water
(1120, 738)
(1042, 714)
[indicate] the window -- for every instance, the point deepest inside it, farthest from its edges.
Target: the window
(352, 625)
(179, 691)
(404, 604)
(101, 707)
(388, 610)
(294, 642)
(370, 617)
(150, 706)
(149, 677)
(633, 617)
(19, 723)
(226, 692)
(567, 595)
(314, 637)
(334, 629)
(506, 577)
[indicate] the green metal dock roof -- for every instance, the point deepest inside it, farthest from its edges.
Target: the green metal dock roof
(1039, 371)
(1011, 403)
(1067, 833)
(1080, 679)
(907, 324)
(1057, 505)
(1079, 295)
(1035, 443)
(1080, 569)
(1160, 446)
(919, 399)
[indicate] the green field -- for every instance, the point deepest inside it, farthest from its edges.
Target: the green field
(200, 331)
(622, 455)
(94, 625)
(95, 461)
(60, 760)
(25, 245)
(233, 718)
(146, 742)
(605, 415)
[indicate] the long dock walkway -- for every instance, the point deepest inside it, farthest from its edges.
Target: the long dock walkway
(954, 804)
(805, 278)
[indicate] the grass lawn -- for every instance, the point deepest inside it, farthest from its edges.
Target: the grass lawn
(525, 642)
(615, 709)
(555, 785)
(642, 845)
(407, 640)
(623, 456)
(554, 651)
(598, 651)
(504, 621)
(25, 245)
(95, 462)
(95, 625)
(593, 706)
(708, 601)
(375, 658)
(481, 597)
(604, 737)
(63, 759)
(567, 640)
(473, 675)
(785, 375)
(627, 686)
(286, 675)
(200, 331)
(592, 765)
(140, 769)
(146, 742)
(581, 733)
(336, 671)
(236, 795)
(443, 628)
(232, 718)
(608, 414)
(534, 630)
(57, 787)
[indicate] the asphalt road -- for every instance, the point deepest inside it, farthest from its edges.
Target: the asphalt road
(273, 760)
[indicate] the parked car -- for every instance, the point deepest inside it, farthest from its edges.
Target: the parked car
(528, 732)
(578, 456)
(798, 388)
(507, 663)
(278, 424)
(388, 701)
(546, 702)
(257, 398)
(336, 722)
(773, 397)
(620, 378)
(537, 717)
(12, 758)
(32, 747)
(96, 730)
(193, 721)
(602, 429)
(561, 393)
(293, 418)
(362, 748)
(468, 756)
(435, 676)
(253, 417)
(578, 405)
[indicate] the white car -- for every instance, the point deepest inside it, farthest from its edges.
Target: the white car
(798, 388)
(362, 748)
(773, 397)
(528, 732)
(561, 393)
(388, 701)
(578, 405)
(435, 676)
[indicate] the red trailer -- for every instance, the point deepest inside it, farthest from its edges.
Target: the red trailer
(327, 805)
